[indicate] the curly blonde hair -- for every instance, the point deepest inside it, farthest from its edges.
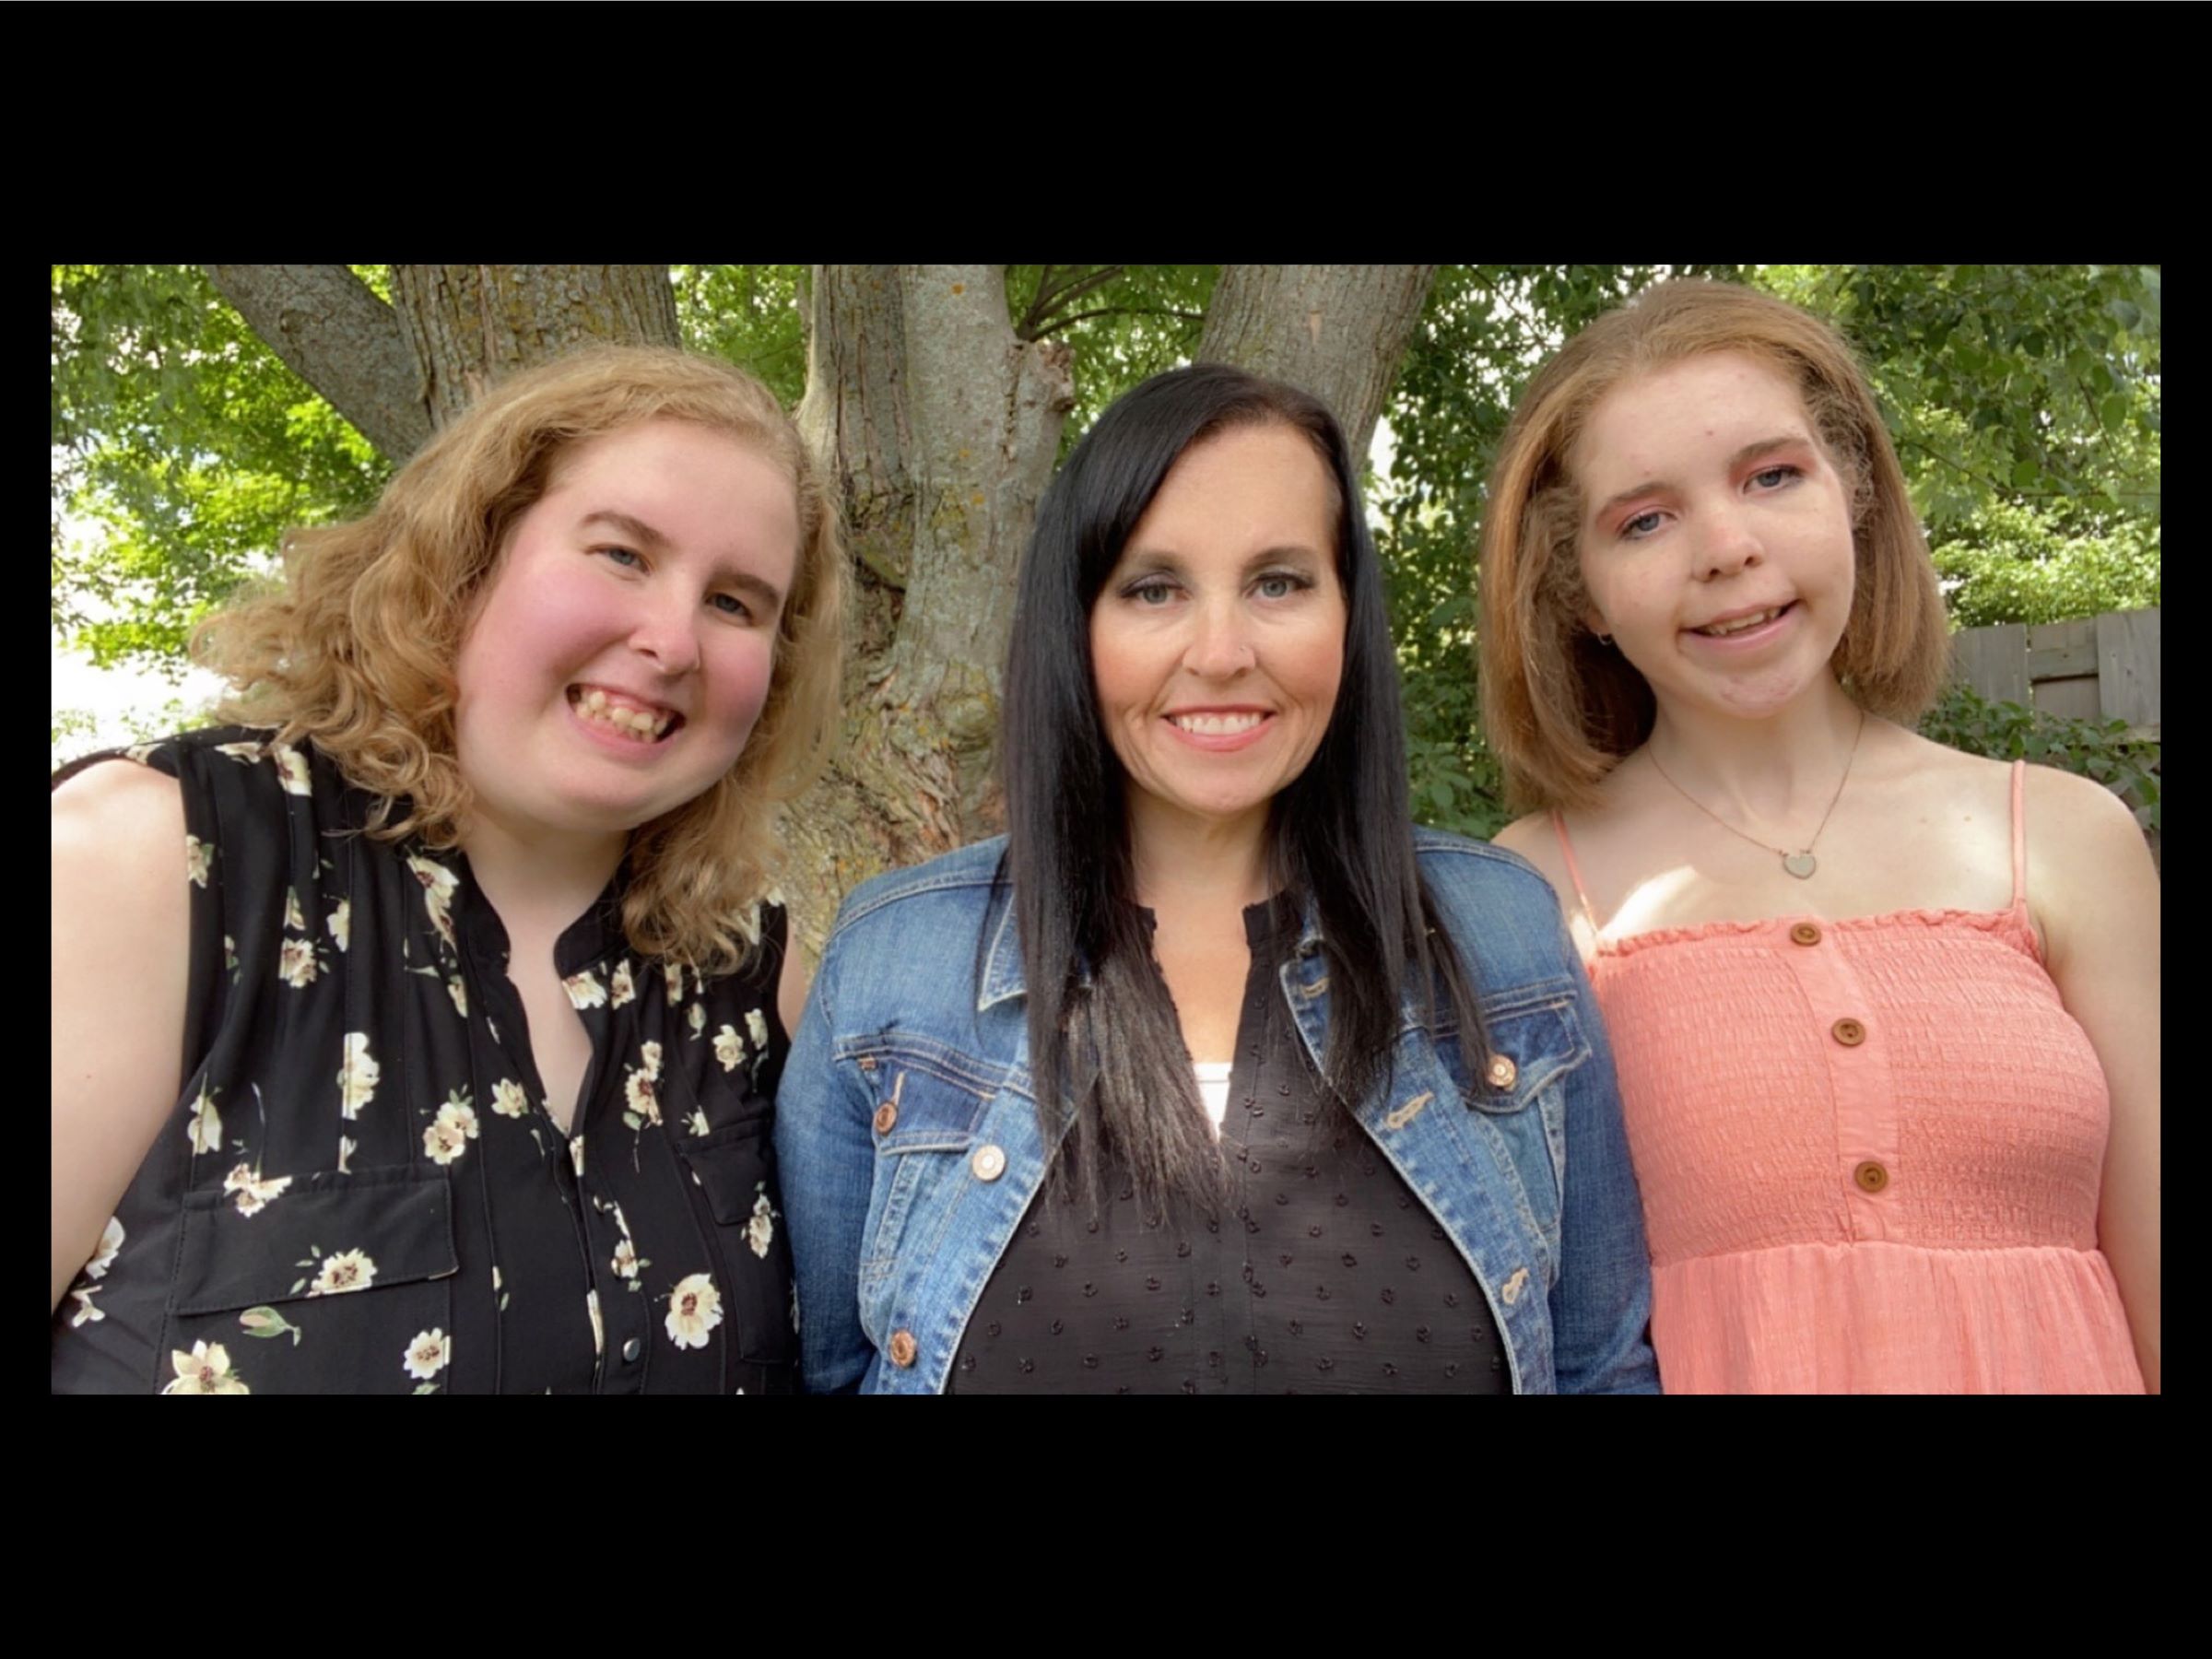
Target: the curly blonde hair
(356, 652)
(1559, 709)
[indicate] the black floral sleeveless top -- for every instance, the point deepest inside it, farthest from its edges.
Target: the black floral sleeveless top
(360, 1190)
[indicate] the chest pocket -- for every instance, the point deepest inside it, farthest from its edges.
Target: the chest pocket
(735, 1168)
(928, 1101)
(1537, 1032)
(338, 1275)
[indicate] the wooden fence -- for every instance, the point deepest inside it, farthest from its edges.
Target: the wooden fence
(2103, 668)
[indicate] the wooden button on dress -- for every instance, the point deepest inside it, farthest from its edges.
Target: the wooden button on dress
(1804, 933)
(1871, 1176)
(1849, 1032)
(989, 1163)
(903, 1349)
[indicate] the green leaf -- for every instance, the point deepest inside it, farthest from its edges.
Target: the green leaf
(2024, 474)
(423, 1388)
(2112, 411)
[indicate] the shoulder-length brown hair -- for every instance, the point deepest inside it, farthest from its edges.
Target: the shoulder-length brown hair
(1559, 709)
(356, 652)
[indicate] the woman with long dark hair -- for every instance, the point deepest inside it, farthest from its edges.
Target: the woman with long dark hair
(1213, 1075)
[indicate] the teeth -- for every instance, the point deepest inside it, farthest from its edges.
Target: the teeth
(1721, 630)
(1217, 725)
(596, 707)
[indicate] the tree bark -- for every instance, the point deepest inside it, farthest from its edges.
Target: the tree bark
(1336, 331)
(341, 339)
(469, 325)
(944, 428)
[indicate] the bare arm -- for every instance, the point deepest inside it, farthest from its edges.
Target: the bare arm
(122, 940)
(791, 984)
(2090, 879)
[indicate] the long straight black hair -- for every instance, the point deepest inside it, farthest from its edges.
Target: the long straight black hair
(1103, 1035)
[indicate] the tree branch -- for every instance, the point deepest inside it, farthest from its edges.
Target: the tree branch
(341, 339)
(1040, 312)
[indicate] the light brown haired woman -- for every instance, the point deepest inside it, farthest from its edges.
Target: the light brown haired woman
(420, 1031)
(1886, 1015)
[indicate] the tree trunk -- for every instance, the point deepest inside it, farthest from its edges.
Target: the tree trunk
(944, 428)
(468, 325)
(340, 338)
(1336, 331)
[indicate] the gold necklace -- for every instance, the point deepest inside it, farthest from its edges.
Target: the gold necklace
(1801, 864)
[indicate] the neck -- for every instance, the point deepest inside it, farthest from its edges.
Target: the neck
(1183, 861)
(1777, 768)
(538, 885)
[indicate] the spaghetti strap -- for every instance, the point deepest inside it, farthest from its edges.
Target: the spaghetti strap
(2019, 833)
(1574, 871)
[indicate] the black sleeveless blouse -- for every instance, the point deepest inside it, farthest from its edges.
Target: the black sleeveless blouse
(362, 1191)
(1323, 1274)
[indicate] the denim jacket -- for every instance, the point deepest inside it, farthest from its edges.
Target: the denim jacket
(908, 1138)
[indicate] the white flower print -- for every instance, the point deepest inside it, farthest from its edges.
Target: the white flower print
(138, 752)
(761, 1229)
(697, 1122)
(245, 754)
(508, 1099)
(584, 990)
(439, 885)
(346, 1270)
(576, 1155)
(644, 1096)
(729, 1048)
(347, 1148)
(430, 1353)
(295, 962)
(204, 1127)
(676, 982)
(591, 1306)
(110, 1240)
(623, 989)
(358, 1076)
(199, 859)
(649, 1057)
(85, 1313)
(450, 1132)
(694, 1309)
(293, 919)
(698, 1018)
(459, 993)
(626, 1259)
(757, 1026)
(291, 765)
(204, 1370)
(253, 1193)
(340, 922)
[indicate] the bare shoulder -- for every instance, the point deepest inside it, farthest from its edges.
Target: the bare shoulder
(1534, 839)
(2068, 812)
(117, 820)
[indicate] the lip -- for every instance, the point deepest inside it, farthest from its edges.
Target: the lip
(1750, 637)
(1219, 743)
(609, 741)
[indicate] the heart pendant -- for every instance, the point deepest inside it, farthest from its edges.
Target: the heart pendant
(1800, 864)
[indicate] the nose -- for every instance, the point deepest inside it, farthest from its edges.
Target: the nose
(666, 628)
(1728, 545)
(1220, 645)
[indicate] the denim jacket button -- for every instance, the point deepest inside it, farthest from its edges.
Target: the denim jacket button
(989, 1163)
(887, 1115)
(1502, 1071)
(902, 1348)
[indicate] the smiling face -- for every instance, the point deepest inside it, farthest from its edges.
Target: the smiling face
(1218, 640)
(1716, 541)
(625, 647)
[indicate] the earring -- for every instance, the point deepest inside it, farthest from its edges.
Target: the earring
(1602, 639)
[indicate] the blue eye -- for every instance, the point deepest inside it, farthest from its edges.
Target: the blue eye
(1642, 525)
(1153, 594)
(624, 556)
(729, 604)
(1277, 586)
(1773, 477)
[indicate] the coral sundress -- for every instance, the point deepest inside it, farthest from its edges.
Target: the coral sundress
(1870, 1151)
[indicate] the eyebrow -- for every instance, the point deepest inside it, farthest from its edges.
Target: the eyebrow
(652, 541)
(1168, 559)
(1750, 452)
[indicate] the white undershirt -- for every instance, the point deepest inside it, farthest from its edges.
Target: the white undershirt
(1213, 1087)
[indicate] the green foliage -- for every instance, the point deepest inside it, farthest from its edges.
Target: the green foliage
(753, 315)
(1123, 322)
(2007, 731)
(183, 449)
